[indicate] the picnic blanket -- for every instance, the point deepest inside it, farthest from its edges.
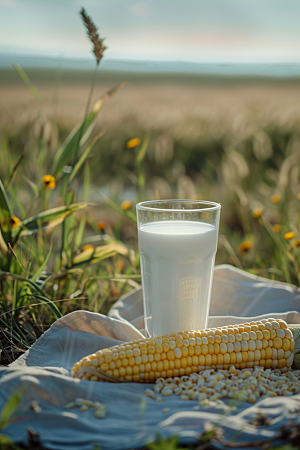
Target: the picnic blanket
(43, 375)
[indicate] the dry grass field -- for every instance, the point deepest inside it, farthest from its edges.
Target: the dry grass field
(186, 106)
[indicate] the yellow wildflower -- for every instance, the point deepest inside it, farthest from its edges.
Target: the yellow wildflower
(277, 227)
(298, 196)
(132, 143)
(245, 247)
(289, 235)
(257, 212)
(88, 247)
(276, 198)
(14, 221)
(101, 226)
(296, 243)
(126, 205)
(49, 181)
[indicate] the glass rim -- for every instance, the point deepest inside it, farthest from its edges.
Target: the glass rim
(211, 206)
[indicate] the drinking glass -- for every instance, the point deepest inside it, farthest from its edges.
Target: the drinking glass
(177, 244)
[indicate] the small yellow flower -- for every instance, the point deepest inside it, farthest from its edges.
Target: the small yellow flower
(88, 247)
(101, 226)
(49, 181)
(276, 198)
(126, 205)
(245, 247)
(277, 227)
(298, 196)
(296, 243)
(257, 212)
(132, 143)
(289, 235)
(14, 221)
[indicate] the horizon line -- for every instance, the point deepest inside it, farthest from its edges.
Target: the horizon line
(88, 58)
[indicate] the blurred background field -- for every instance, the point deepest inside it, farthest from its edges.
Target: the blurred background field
(67, 198)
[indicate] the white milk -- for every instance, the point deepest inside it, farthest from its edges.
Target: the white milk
(177, 260)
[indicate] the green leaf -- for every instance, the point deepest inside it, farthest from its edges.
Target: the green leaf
(80, 230)
(9, 409)
(66, 249)
(16, 198)
(142, 153)
(76, 138)
(139, 159)
(86, 181)
(83, 157)
(165, 444)
(5, 216)
(27, 81)
(42, 267)
(127, 213)
(33, 186)
(5, 440)
(47, 219)
(42, 295)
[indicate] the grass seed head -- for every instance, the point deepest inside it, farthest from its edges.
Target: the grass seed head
(92, 32)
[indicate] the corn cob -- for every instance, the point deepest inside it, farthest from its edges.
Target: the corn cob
(267, 343)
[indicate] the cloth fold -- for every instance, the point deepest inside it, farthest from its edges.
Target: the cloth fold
(43, 374)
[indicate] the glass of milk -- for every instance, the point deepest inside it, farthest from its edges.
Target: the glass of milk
(178, 244)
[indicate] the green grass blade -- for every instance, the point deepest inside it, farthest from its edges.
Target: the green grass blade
(114, 205)
(33, 186)
(16, 199)
(66, 249)
(42, 267)
(76, 138)
(86, 181)
(27, 81)
(43, 296)
(48, 219)
(139, 160)
(83, 157)
(142, 153)
(80, 232)
(9, 409)
(5, 216)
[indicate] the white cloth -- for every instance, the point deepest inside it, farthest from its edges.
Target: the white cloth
(43, 374)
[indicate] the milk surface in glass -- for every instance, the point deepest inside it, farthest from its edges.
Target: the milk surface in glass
(177, 259)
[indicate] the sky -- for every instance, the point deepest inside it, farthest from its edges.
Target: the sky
(180, 30)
